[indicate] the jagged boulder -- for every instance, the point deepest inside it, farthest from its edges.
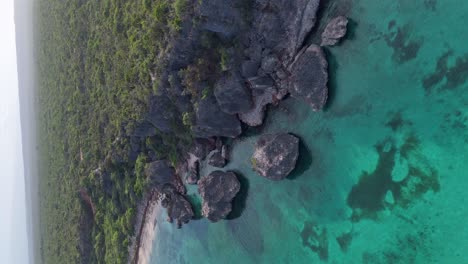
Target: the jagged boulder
(264, 92)
(217, 191)
(211, 121)
(334, 31)
(201, 147)
(178, 207)
(275, 155)
(232, 95)
(309, 77)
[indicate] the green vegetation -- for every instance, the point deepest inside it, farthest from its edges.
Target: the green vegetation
(94, 62)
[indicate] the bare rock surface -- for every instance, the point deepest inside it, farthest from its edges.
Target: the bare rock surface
(216, 159)
(334, 31)
(275, 155)
(178, 207)
(309, 77)
(232, 95)
(217, 191)
(211, 121)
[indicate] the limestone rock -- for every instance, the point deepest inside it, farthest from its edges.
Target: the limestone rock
(217, 191)
(334, 31)
(275, 155)
(232, 95)
(309, 77)
(211, 121)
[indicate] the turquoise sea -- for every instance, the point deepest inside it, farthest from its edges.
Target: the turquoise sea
(382, 176)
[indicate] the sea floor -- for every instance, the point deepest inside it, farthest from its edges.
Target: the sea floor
(382, 176)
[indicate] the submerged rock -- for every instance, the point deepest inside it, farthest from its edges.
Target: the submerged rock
(334, 31)
(309, 77)
(232, 95)
(275, 155)
(211, 121)
(217, 191)
(217, 160)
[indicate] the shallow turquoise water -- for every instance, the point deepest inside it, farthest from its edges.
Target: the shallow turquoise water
(383, 172)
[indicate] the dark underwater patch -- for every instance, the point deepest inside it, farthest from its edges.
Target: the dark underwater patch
(404, 48)
(439, 74)
(316, 239)
(344, 241)
(454, 76)
(367, 197)
(396, 122)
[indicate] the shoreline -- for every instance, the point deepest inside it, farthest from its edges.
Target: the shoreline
(141, 246)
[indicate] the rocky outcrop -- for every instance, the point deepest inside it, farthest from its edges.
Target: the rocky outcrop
(201, 147)
(232, 95)
(178, 207)
(217, 191)
(264, 93)
(217, 160)
(275, 155)
(211, 121)
(282, 25)
(309, 77)
(334, 31)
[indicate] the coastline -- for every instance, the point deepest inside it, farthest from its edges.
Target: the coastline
(141, 246)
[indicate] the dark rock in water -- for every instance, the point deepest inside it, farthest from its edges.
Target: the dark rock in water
(217, 160)
(275, 155)
(162, 113)
(160, 173)
(193, 173)
(211, 121)
(178, 207)
(201, 147)
(309, 77)
(232, 95)
(217, 191)
(334, 31)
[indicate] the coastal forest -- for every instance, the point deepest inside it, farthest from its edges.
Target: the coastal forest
(96, 64)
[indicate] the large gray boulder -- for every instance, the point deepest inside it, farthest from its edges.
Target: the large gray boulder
(217, 191)
(211, 121)
(275, 155)
(284, 24)
(178, 207)
(309, 77)
(232, 95)
(334, 31)
(216, 159)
